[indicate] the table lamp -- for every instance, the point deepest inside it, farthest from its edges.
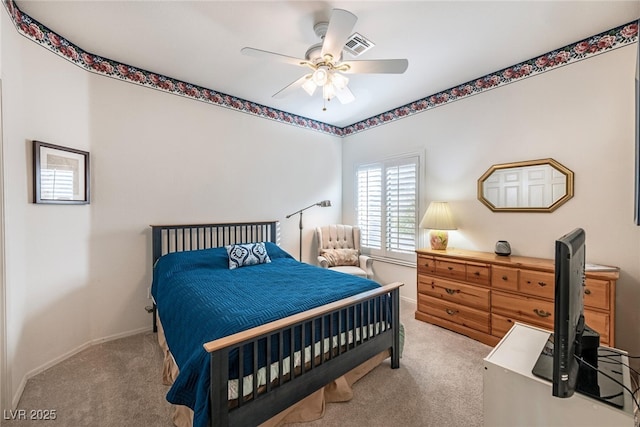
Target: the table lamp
(438, 218)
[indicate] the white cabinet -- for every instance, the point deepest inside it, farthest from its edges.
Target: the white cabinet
(513, 396)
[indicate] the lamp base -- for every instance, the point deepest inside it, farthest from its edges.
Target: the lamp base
(439, 239)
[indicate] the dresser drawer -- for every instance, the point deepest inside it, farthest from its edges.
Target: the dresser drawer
(451, 270)
(538, 283)
(504, 278)
(600, 322)
(512, 308)
(596, 293)
(522, 308)
(426, 264)
(500, 325)
(456, 313)
(478, 273)
(455, 292)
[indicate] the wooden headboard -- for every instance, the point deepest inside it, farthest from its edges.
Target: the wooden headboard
(190, 237)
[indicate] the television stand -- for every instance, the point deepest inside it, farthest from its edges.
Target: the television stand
(600, 386)
(513, 395)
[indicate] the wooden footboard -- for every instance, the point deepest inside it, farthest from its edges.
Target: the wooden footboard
(357, 328)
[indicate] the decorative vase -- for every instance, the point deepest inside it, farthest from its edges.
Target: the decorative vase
(503, 248)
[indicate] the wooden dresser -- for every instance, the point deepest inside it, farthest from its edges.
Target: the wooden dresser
(481, 294)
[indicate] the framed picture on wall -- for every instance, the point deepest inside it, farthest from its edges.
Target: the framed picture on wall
(60, 174)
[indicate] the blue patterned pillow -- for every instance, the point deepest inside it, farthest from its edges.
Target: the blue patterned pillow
(247, 254)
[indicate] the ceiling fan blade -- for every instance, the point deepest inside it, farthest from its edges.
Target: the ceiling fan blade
(340, 26)
(264, 54)
(288, 90)
(381, 66)
(344, 95)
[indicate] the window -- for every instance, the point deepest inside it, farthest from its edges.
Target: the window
(387, 207)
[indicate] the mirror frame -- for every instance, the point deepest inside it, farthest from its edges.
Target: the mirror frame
(568, 190)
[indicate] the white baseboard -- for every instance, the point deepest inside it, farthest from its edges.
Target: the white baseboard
(411, 300)
(120, 335)
(65, 356)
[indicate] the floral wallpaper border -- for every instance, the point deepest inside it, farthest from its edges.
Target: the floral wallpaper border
(595, 45)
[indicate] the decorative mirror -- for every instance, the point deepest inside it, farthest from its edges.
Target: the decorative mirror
(531, 186)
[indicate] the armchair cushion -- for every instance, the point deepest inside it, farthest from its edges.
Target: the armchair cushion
(340, 257)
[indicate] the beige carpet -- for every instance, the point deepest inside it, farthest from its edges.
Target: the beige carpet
(118, 383)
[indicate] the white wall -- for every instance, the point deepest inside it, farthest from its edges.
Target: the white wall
(47, 264)
(582, 115)
(80, 274)
(162, 159)
(4, 391)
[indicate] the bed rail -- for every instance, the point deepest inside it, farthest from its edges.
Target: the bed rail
(344, 334)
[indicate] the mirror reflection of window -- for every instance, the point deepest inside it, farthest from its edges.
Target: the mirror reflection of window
(528, 186)
(59, 179)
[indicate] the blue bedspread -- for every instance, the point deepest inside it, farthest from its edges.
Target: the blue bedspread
(199, 300)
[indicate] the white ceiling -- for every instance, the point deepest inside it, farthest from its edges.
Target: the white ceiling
(446, 42)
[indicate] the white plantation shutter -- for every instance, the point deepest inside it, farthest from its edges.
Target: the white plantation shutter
(401, 201)
(387, 207)
(369, 205)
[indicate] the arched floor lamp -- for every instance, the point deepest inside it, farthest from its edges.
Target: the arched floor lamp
(323, 204)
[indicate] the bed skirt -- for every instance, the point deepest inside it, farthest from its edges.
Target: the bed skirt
(308, 409)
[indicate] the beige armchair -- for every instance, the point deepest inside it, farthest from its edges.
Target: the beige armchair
(339, 250)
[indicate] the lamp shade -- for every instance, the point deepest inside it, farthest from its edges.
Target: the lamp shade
(438, 217)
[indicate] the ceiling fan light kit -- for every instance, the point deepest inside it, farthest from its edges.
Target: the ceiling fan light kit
(321, 58)
(309, 85)
(321, 75)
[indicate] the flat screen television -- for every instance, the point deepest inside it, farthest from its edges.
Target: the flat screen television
(572, 343)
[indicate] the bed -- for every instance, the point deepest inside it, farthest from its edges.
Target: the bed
(252, 341)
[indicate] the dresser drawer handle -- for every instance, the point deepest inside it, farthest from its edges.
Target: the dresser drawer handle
(450, 268)
(451, 291)
(542, 284)
(541, 313)
(505, 278)
(587, 291)
(451, 312)
(477, 273)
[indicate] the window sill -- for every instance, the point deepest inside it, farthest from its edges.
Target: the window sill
(394, 261)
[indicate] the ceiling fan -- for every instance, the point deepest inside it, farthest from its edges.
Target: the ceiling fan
(325, 61)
